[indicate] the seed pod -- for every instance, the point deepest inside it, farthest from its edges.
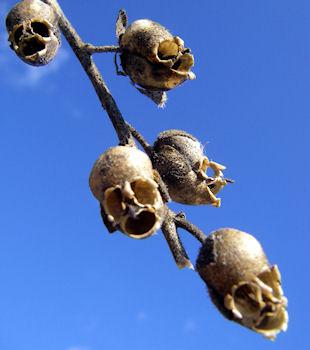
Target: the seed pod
(33, 32)
(241, 283)
(179, 159)
(123, 182)
(153, 58)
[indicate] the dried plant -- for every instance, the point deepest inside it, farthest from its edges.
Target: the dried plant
(133, 187)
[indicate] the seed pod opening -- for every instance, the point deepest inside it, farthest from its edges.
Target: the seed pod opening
(141, 225)
(33, 32)
(153, 58)
(122, 180)
(180, 161)
(241, 283)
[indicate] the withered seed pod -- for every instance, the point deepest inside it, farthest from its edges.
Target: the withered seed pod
(179, 159)
(242, 284)
(123, 182)
(33, 32)
(153, 58)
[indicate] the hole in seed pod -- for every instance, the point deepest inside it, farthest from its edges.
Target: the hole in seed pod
(141, 224)
(40, 28)
(176, 65)
(184, 63)
(167, 50)
(113, 203)
(246, 299)
(145, 191)
(273, 319)
(18, 33)
(32, 46)
(210, 172)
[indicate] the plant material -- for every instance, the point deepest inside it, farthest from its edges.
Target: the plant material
(153, 58)
(122, 180)
(33, 32)
(242, 284)
(179, 158)
(131, 193)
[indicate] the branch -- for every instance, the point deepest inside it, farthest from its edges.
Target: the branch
(176, 247)
(181, 222)
(170, 227)
(126, 132)
(99, 49)
(145, 145)
(81, 51)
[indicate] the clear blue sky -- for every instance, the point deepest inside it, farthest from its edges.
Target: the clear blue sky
(66, 284)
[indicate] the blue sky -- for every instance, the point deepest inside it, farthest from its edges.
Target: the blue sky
(66, 284)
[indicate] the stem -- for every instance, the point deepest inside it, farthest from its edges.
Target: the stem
(145, 145)
(181, 222)
(125, 133)
(103, 93)
(99, 49)
(176, 247)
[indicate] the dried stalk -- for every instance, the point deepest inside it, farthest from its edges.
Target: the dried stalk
(125, 132)
(100, 49)
(81, 50)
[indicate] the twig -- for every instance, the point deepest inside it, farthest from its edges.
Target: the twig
(103, 93)
(170, 227)
(145, 145)
(126, 133)
(176, 247)
(100, 49)
(181, 222)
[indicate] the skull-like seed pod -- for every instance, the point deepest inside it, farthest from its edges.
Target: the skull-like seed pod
(241, 283)
(33, 32)
(179, 159)
(123, 182)
(153, 58)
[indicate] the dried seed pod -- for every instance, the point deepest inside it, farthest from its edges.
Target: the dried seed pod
(153, 58)
(33, 32)
(179, 159)
(123, 182)
(242, 284)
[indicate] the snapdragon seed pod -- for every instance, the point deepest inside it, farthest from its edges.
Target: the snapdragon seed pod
(122, 180)
(179, 159)
(33, 32)
(241, 282)
(153, 58)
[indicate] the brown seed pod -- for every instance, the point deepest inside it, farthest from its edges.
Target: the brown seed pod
(242, 284)
(123, 182)
(153, 58)
(179, 159)
(33, 32)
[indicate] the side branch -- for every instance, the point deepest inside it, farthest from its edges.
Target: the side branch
(103, 93)
(181, 222)
(126, 133)
(170, 230)
(100, 49)
(175, 245)
(145, 145)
